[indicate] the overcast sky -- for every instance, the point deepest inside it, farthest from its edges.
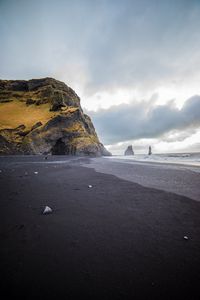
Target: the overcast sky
(135, 64)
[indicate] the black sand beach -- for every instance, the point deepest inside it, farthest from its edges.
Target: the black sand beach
(116, 240)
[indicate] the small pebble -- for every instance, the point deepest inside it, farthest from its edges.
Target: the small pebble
(47, 210)
(89, 186)
(36, 173)
(185, 237)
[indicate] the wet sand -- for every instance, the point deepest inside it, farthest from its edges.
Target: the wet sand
(176, 178)
(116, 240)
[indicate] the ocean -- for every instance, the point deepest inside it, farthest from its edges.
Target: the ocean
(189, 158)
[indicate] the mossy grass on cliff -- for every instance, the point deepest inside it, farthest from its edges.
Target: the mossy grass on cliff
(15, 113)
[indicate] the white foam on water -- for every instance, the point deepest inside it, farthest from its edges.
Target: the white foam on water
(190, 159)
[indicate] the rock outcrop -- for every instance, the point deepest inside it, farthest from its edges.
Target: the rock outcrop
(129, 150)
(44, 116)
(150, 151)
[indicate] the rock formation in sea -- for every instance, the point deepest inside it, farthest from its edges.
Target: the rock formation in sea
(129, 150)
(44, 116)
(150, 152)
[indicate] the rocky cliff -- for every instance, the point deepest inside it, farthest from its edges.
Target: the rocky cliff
(44, 116)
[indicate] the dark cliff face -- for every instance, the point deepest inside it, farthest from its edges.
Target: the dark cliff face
(44, 116)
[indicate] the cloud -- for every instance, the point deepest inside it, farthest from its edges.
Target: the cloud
(179, 136)
(128, 44)
(143, 45)
(145, 120)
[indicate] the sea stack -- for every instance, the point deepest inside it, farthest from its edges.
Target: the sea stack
(129, 150)
(44, 116)
(150, 152)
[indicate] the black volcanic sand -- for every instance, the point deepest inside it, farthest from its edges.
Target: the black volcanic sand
(116, 240)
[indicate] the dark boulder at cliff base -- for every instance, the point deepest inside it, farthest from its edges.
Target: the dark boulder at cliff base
(44, 116)
(129, 150)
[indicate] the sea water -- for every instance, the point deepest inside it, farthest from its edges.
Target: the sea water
(192, 158)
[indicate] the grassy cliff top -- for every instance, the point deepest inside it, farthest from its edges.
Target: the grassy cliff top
(35, 100)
